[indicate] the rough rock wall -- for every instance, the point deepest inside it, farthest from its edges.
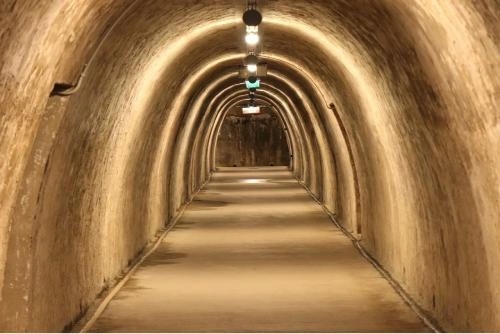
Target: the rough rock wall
(256, 140)
(391, 108)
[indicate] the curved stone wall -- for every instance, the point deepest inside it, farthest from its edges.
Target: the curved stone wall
(390, 107)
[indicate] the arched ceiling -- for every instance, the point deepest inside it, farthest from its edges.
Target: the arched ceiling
(390, 107)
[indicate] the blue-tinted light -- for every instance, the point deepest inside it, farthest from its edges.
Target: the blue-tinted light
(250, 85)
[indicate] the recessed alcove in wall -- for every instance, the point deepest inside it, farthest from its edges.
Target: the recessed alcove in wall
(252, 140)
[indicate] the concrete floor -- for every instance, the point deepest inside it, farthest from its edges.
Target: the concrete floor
(254, 252)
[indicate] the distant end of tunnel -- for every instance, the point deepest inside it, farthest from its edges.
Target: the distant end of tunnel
(116, 112)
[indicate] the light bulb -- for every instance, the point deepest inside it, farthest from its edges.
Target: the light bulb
(252, 68)
(251, 110)
(252, 38)
(254, 29)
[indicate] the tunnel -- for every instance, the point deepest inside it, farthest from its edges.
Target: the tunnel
(117, 113)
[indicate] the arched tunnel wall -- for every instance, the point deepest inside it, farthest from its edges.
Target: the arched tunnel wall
(390, 109)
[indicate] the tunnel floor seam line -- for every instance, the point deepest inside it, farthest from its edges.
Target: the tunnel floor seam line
(419, 311)
(91, 316)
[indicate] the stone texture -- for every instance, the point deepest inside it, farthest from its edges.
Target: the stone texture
(252, 140)
(227, 266)
(407, 157)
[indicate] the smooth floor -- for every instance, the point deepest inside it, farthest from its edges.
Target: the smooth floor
(254, 253)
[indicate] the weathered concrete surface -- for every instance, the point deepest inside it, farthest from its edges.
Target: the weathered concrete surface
(254, 252)
(392, 111)
(252, 140)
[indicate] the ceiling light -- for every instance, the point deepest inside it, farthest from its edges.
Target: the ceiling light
(250, 84)
(252, 17)
(251, 110)
(252, 68)
(252, 38)
(252, 78)
(251, 59)
(254, 29)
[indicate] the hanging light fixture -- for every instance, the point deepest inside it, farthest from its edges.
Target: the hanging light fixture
(249, 84)
(250, 110)
(252, 37)
(252, 68)
(252, 79)
(252, 18)
(251, 62)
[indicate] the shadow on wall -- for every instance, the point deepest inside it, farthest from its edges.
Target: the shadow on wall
(252, 140)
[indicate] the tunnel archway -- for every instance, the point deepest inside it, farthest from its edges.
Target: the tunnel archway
(391, 112)
(252, 140)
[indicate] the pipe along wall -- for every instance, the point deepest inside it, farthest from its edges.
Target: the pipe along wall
(390, 108)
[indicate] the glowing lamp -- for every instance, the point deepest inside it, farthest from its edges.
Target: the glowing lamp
(252, 38)
(250, 110)
(250, 84)
(252, 68)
